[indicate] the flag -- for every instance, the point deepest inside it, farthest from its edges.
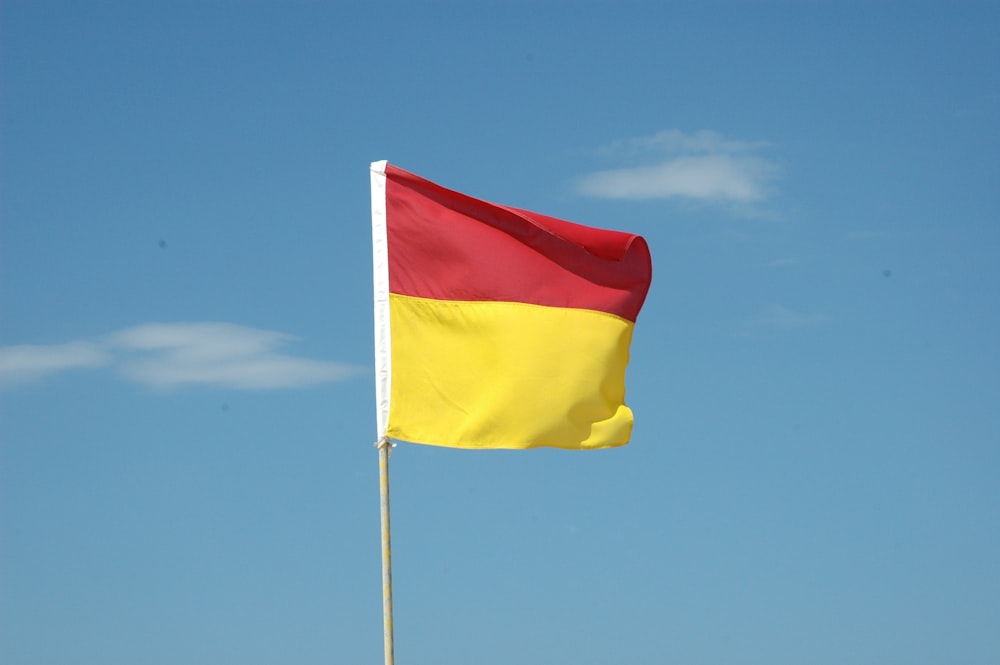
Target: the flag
(496, 327)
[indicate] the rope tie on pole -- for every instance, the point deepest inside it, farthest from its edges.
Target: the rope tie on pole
(385, 442)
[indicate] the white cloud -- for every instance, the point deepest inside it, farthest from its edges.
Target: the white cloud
(676, 141)
(175, 355)
(218, 354)
(703, 166)
(724, 178)
(24, 362)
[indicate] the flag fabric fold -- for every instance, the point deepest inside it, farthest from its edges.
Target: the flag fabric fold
(496, 327)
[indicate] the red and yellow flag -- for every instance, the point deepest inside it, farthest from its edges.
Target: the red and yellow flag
(497, 327)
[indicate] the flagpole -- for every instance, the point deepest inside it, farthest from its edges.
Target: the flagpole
(384, 447)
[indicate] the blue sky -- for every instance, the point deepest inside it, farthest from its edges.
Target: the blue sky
(186, 390)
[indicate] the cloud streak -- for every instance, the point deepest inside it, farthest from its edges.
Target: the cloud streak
(676, 141)
(722, 178)
(176, 355)
(703, 167)
(26, 363)
(779, 317)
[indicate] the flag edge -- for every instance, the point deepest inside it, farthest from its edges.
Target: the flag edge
(380, 283)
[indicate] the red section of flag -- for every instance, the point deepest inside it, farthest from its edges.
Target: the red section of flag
(461, 248)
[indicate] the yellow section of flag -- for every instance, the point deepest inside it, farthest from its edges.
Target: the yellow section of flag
(507, 375)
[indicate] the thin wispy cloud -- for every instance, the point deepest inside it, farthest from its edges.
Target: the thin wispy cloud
(720, 178)
(788, 262)
(178, 355)
(25, 363)
(779, 317)
(702, 167)
(866, 235)
(676, 141)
